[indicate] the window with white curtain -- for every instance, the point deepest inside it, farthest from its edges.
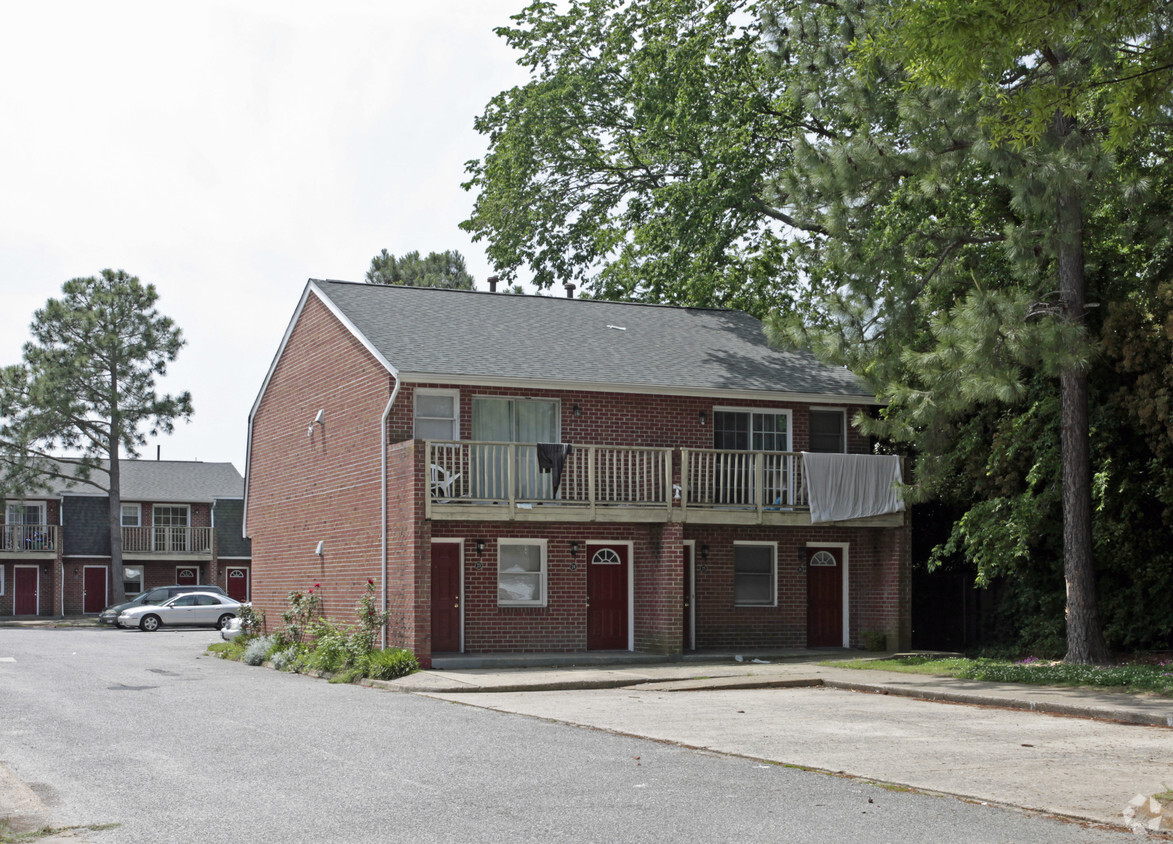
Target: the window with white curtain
(437, 414)
(521, 572)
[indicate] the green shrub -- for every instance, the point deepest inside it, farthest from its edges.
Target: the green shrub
(390, 663)
(256, 650)
(285, 659)
(331, 648)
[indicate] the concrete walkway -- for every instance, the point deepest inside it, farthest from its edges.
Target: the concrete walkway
(758, 670)
(1003, 746)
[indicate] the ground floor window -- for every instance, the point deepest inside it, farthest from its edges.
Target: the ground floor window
(132, 580)
(755, 574)
(521, 572)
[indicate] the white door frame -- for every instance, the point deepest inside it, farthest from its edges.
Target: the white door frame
(106, 597)
(630, 544)
(248, 587)
(842, 546)
(37, 571)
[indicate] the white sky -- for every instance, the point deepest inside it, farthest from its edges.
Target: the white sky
(227, 151)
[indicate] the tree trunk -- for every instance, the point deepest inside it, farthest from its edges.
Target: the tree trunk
(1085, 642)
(117, 589)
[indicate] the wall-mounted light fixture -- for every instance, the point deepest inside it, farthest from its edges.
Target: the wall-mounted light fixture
(577, 411)
(480, 547)
(574, 549)
(705, 552)
(703, 417)
(321, 549)
(320, 419)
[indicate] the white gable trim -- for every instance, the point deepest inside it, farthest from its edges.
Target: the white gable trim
(311, 287)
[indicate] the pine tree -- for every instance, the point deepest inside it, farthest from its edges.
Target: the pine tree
(87, 384)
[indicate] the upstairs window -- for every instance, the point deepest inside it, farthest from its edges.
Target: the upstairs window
(132, 515)
(828, 431)
(748, 430)
(436, 415)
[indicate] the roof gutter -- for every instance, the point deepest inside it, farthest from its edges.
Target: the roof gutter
(383, 504)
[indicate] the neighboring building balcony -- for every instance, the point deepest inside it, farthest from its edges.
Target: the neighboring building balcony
(487, 481)
(29, 542)
(183, 543)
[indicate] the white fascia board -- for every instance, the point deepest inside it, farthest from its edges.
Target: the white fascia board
(644, 389)
(311, 288)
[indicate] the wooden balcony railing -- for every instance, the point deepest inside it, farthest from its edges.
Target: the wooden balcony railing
(160, 539)
(742, 479)
(510, 473)
(29, 539)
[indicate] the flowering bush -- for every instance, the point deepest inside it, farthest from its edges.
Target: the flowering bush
(304, 609)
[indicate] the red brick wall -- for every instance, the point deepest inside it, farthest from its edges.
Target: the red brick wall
(325, 487)
(878, 599)
(632, 419)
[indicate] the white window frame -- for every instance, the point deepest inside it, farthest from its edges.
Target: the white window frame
(765, 411)
(142, 578)
(138, 512)
(2, 570)
(455, 419)
(543, 573)
(40, 505)
(773, 546)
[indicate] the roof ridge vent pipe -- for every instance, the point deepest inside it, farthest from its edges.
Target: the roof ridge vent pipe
(493, 279)
(570, 288)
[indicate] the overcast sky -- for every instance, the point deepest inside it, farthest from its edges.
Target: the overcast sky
(227, 151)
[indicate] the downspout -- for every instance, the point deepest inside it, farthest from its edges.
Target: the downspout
(383, 507)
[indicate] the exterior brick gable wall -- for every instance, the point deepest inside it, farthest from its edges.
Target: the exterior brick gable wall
(304, 489)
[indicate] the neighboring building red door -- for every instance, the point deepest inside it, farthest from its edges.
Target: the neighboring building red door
(445, 597)
(187, 575)
(606, 597)
(689, 600)
(26, 590)
(824, 597)
(237, 583)
(94, 595)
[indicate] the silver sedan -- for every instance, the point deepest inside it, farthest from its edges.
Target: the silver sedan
(189, 610)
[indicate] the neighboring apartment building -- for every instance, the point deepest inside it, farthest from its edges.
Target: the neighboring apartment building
(538, 474)
(181, 523)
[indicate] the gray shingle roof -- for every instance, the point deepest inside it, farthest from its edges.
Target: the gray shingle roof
(176, 481)
(455, 333)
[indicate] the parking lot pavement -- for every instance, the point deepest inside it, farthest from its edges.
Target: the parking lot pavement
(1071, 752)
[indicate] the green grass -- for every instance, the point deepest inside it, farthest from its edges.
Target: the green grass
(1134, 678)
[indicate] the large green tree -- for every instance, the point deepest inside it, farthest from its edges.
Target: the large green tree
(748, 154)
(85, 395)
(437, 269)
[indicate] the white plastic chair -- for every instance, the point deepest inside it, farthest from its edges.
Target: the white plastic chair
(442, 481)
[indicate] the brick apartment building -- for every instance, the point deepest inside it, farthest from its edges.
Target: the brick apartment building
(541, 474)
(181, 522)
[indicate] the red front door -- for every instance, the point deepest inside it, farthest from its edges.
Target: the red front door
(237, 583)
(607, 597)
(824, 597)
(27, 589)
(689, 600)
(445, 597)
(94, 596)
(187, 575)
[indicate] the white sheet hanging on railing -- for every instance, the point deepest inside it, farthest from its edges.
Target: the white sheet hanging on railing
(851, 486)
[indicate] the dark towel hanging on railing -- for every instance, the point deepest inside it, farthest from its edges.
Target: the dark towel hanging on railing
(551, 457)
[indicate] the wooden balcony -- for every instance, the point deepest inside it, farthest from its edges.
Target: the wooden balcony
(487, 481)
(180, 543)
(29, 542)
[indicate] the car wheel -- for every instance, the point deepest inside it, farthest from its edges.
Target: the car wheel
(224, 619)
(150, 623)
